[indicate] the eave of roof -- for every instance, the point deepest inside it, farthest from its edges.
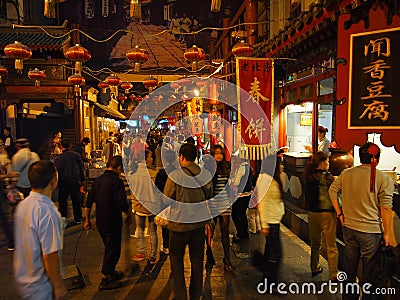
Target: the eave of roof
(35, 41)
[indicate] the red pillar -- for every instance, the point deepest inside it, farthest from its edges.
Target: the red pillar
(251, 17)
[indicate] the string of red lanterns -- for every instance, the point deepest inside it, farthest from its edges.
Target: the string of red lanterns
(36, 75)
(19, 52)
(3, 72)
(77, 54)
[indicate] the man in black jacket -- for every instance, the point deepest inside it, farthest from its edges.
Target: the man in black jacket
(70, 179)
(80, 148)
(108, 192)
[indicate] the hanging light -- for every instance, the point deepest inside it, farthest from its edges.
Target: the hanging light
(132, 97)
(213, 93)
(126, 86)
(201, 84)
(76, 80)
(175, 85)
(113, 80)
(121, 99)
(242, 49)
(19, 52)
(3, 72)
(77, 54)
(215, 5)
(194, 55)
(150, 83)
(135, 9)
(36, 75)
(137, 56)
(103, 86)
(184, 83)
(138, 99)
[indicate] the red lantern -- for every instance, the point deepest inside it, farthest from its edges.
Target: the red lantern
(197, 126)
(184, 83)
(242, 49)
(3, 71)
(138, 56)
(175, 86)
(126, 86)
(103, 86)
(78, 54)
(138, 99)
(172, 99)
(213, 93)
(194, 55)
(150, 83)
(113, 80)
(36, 75)
(132, 97)
(201, 84)
(19, 52)
(214, 121)
(121, 99)
(76, 80)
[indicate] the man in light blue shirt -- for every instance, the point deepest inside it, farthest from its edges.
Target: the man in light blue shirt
(38, 238)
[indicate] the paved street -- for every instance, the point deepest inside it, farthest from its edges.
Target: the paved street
(145, 281)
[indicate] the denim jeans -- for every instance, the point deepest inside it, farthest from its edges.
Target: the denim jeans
(141, 241)
(359, 245)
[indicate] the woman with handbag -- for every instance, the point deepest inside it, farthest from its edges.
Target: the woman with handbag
(321, 214)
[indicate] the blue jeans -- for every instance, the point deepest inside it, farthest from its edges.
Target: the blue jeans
(359, 245)
(141, 241)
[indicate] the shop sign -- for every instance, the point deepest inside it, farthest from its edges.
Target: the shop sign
(89, 11)
(305, 119)
(214, 121)
(197, 105)
(373, 91)
(105, 8)
(197, 126)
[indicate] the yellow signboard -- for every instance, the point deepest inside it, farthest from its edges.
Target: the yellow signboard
(305, 119)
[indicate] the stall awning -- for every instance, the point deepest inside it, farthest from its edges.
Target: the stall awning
(105, 111)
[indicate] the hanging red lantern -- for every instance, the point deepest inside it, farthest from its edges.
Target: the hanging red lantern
(194, 55)
(103, 86)
(197, 126)
(175, 85)
(184, 83)
(172, 99)
(137, 56)
(113, 80)
(19, 52)
(242, 49)
(213, 93)
(201, 84)
(36, 75)
(121, 99)
(150, 83)
(77, 54)
(76, 80)
(214, 121)
(138, 99)
(126, 86)
(132, 97)
(3, 72)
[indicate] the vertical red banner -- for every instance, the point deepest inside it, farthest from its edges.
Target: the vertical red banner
(255, 79)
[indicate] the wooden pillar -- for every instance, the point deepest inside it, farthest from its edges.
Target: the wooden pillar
(225, 42)
(251, 17)
(79, 118)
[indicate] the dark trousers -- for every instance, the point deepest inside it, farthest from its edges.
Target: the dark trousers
(239, 216)
(165, 237)
(4, 222)
(272, 252)
(72, 190)
(112, 249)
(178, 241)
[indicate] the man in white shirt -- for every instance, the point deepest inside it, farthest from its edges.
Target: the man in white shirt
(21, 162)
(39, 238)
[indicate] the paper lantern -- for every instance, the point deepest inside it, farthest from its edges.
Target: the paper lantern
(194, 55)
(137, 56)
(36, 75)
(201, 84)
(214, 121)
(197, 126)
(3, 72)
(213, 93)
(242, 49)
(184, 83)
(150, 83)
(197, 105)
(126, 86)
(76, 80)
(19, 52)
(103, 86)
(175, 85)
(113, 80)
(77, 54)
(121, 99)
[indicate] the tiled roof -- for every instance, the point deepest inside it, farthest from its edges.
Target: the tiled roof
(35, 41)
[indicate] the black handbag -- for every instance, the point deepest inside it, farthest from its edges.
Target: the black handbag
(384, 265)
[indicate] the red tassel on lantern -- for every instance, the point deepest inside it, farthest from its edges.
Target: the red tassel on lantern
(373, 150)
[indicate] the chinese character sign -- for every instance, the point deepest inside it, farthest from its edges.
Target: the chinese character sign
(256, 79)
(373, 95)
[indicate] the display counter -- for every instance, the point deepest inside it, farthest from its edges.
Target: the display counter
(294, 164)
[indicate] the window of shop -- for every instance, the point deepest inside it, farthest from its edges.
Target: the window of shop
(325, 86)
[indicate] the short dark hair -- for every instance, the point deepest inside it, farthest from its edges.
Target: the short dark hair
(40, 173)
(86, 140)
(8, 128)
(365, 156)
(188, 151)
(65, 144)
(115, 162)
(110, 133)
(169, 155)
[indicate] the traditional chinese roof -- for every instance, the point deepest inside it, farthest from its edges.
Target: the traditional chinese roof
(35, 41)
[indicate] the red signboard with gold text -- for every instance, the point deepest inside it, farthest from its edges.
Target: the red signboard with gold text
(255, 77)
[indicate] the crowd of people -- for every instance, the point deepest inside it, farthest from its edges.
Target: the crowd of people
(179, 26)
(158, 164)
